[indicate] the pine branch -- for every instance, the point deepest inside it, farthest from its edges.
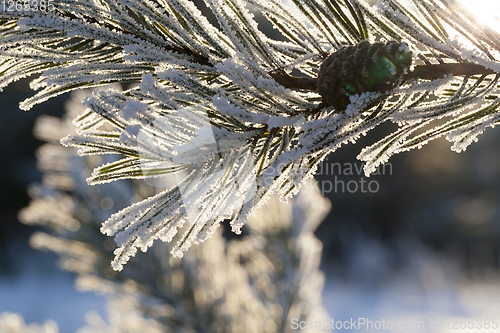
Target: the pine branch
(294, 82)
(229, 83)
(197, 58)
(437, 71)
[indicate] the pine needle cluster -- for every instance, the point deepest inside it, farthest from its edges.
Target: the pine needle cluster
(230, 115)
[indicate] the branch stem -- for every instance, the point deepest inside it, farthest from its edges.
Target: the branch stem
(432, 72)
(425, 72)
(294, 82)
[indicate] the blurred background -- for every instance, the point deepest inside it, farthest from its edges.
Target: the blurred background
(30, 282)
(420, 241)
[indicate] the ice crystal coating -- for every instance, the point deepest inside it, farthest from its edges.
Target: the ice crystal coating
(269, 136)
(210, 289)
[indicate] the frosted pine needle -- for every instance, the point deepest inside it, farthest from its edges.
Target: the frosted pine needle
(225, 114)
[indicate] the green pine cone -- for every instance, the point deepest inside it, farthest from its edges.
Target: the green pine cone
(361, 68)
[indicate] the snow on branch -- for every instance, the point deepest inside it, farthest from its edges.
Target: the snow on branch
(226, 115)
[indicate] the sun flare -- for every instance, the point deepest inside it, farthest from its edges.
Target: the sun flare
(486, 12)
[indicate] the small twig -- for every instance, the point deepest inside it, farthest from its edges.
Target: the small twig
(294, 82)
(432, 72)
(425, 72)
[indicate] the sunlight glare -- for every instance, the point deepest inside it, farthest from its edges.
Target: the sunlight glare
(486, 11)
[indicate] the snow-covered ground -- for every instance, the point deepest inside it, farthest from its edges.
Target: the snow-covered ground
(420, 310)
(427, 290)
(39, 291)
(430, 294)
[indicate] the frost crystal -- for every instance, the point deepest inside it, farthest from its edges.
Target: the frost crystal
(218, 121)
(214, 284)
